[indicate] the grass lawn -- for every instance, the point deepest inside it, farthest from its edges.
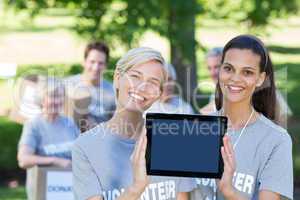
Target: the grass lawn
(12, 194)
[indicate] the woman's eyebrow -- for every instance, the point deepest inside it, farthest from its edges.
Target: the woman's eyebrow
(251, 68)
(136, 71)
(245, 67)
(152, 78)
(226, 63)
(155, 79)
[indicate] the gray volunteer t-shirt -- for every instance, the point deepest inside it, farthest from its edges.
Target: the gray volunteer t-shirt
(102, 104)
(48, 139)
(264, 162)
(101, 167)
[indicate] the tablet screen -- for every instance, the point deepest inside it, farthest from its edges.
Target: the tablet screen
(185, 145)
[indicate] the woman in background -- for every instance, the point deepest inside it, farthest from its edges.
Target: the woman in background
(169, 101)
(47, 138)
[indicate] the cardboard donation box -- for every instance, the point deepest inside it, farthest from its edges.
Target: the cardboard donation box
(77, 106)
(25, 104)
(52, 183)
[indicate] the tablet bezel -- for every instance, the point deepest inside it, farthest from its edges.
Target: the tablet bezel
(150, 116)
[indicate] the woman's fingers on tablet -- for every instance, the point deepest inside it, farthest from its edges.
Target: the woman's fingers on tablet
(144, 131)
(225, 159)
(225, 184)
(140, 147)
(139, 164)
(228, 154)
(144, 146)
(228, 168)
(144, 143)
(225, 144)
(136, 150)
(229, 151)
(229, 145)
(143, 150)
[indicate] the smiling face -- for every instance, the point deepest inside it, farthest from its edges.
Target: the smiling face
(239, 75)
(168, 89)
(53, 102)
(140, 86)
(94, 64)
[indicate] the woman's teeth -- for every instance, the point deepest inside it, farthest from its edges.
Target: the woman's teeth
(235, 88)
(136, 96)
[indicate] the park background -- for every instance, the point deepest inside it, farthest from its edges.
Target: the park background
(49, 37)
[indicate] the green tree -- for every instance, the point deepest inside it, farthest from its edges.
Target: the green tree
(128, 20)
(124, 21)
(254, 12)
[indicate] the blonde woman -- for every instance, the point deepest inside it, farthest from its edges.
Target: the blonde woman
(109, 160)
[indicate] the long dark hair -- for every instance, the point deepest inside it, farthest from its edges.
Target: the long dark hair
(264, 97)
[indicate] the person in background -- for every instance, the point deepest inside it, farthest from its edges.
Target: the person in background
(102, 106)
(213, 62)
(283, 110)
(47, 139)
(169, 102)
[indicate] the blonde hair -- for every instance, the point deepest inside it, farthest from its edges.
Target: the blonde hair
(47, 86)
(138, 56)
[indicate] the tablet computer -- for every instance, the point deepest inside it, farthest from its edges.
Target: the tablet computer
(185, 145)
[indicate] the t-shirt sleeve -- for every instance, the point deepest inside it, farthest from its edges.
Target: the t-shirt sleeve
(85, 181)
(30, 135)
(186, 184)
(277, 174)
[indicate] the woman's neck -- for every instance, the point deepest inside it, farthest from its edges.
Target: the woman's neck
(239, 113)
(127, 123)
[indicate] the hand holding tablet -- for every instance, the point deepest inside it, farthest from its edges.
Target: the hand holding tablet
(225, 184)
(141, 180)
(185, 145)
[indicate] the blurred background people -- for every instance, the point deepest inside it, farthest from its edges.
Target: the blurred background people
(213, 61)
(170, 102)
(283, 110)
(91, 81)
(47, 139)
